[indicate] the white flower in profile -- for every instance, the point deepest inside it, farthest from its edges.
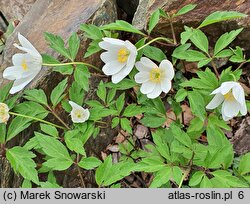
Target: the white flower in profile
(78, 113)
(119, 59)
(154, 79)
(25, 65)
(4, 113)
(232, 95)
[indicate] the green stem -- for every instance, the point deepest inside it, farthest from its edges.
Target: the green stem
(37, 119)
(156, 39)
(72, 63)
(182, 179)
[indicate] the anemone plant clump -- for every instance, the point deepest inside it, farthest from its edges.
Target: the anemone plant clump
(142, 87)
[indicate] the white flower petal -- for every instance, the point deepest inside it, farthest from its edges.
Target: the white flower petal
(112, 67)
(108, 56)
(166, 85)
(230, 108)
(238, 93)
(131, 47)
(140, 67)
(147, 87)
(111, 44)
(78, 113)
(114, 41)
(19, 84)
(156, 92)
(75, 105)
(116, 78)
(243, 108)
(216, 91)
(148, 63)
(167, 66)
(141, 77)
(13, 72)
(227, 86)
(215, 102)
(26, 44)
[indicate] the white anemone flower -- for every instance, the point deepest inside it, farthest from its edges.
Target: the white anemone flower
(154, 79)
(25, 65)
(4, 113)
(78, 113)
(231, 95)
(119, 59)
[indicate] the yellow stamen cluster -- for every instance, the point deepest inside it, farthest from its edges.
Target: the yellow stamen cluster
(24, 65)
(229, 96)
(4, 113)
(78, 113)
(155, 75)
(122, 55)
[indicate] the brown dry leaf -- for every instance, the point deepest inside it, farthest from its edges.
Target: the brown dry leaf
(113, 148)
(188, 116)
(119, 138)
(141, 131)
(103, 155)
(191, 67)
(171, 117)
(246, 88)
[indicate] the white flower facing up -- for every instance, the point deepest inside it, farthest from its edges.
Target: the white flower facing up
(154, 79)
(4, 113)
(119, 59)
(25, 65)
(231, 95)
(78, 113)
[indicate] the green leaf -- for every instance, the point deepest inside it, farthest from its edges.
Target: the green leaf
(91, 31)
(180, 51)
(18, 124)
(64, 69)
(154, 18)
(154, 53)
(196, 178)
(101, 91)
(59, 158)
(89, 163)
(185, 9)
(194, 56)
(196, 124)
(197, 104)
(161, 177)
(225, 40)
(132, 110)
(180, 135)
(50, 130)
(224, 53)
(99, 113)
(123, 85)
(161, 145)
(76, 93)
(152, 120)
(81, 76)
(200, 40)
(74, 44)
(219, 16)
(2, 133)
(238, 56)
(207, 81)
(57, 93)
(102, 169)
(125, 125)
(181, 95)
(120, 103)
(4, 92)
(57, 44)
(244, 166)
(204, 62)
(122, 26)
(73, 142)
(21, 161)
(206, 183)
(229, 75)
(36, 95)
(151, 164)
(92, 48)
(26, 184)
(115, 122)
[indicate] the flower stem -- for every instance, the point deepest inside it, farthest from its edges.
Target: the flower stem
(73, 63)
(54, 113)
(37, 119)
(172, 30)
(156, 39)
